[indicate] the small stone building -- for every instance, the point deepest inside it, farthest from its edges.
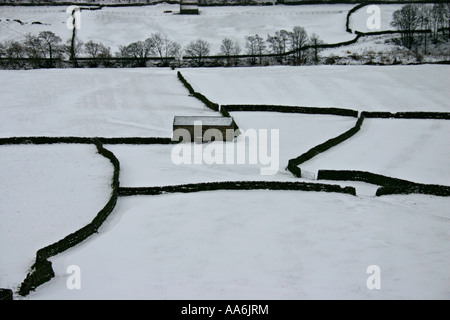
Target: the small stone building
(189, 7)
(204, 129)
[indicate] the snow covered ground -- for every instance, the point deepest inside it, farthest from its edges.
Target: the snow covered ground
(361, 20)
(376, 49)
(93, 102)
(143, 166)
(226, 244)
(32, 20)
(364, 88)
(358, 20)
(120, 26)
(262, 245)
(415, 150)
(47, 192)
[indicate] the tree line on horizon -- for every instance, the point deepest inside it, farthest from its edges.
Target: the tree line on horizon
(296, 47)
(46, 49)
(413, 17)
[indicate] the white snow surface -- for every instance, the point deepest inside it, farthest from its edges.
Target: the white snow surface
(225, 244)
(262, 245)
(94, 102)
(364, 88)
(153, 165)
(116, 27)
(415, 150)
(47, 192)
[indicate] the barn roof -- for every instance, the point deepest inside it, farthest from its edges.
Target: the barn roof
(206, 121)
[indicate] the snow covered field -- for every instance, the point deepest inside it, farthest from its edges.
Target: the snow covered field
(225, 244)
(358, 20)
(363, 88)
(143, 166)
(415, 150)
(120, 26)
(46, 193)
(93, 102)
(262, 245)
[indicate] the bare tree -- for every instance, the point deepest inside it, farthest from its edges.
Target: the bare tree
(437, 19)
(315, 42)
(447, 17)
(73, 49)
(229, 48)
(93, 49)
(163, 47)
(124, 55)
(105, 52)
(198, 49)
(122, 52)
(15, 53)
(105, 55)
(298, 40)
(2, 53)
(251, 48)
(261, 47)
(236, 51)
(424, 23)
(50, 45)
(33, 47)
(255, 46)
(278, 43)
(433, 18)
(139, 50)
(407, 21)
(2, 50)
(226, 48)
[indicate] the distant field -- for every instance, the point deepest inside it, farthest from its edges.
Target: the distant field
(415, 150)
(89, 102)
(364, 88)
(121, 26)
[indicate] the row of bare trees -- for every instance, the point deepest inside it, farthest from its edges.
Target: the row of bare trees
(294, 42)
(281, 45)
(36, 48)
(157, 45)
(413, 17)
(47, 49)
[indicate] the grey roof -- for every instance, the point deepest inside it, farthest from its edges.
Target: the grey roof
(206, 121)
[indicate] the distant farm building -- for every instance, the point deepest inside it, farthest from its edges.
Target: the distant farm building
(189, 7)
(204, 129)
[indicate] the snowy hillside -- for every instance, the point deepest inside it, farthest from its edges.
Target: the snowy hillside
(418, 150)
(93, 103)
(292, 245)
(364, 88)
(255, 228)
(262, 245)
(47, 192)
(120, 26)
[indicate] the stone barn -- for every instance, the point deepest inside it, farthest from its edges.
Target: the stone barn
(189, 7)
(201, 129)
